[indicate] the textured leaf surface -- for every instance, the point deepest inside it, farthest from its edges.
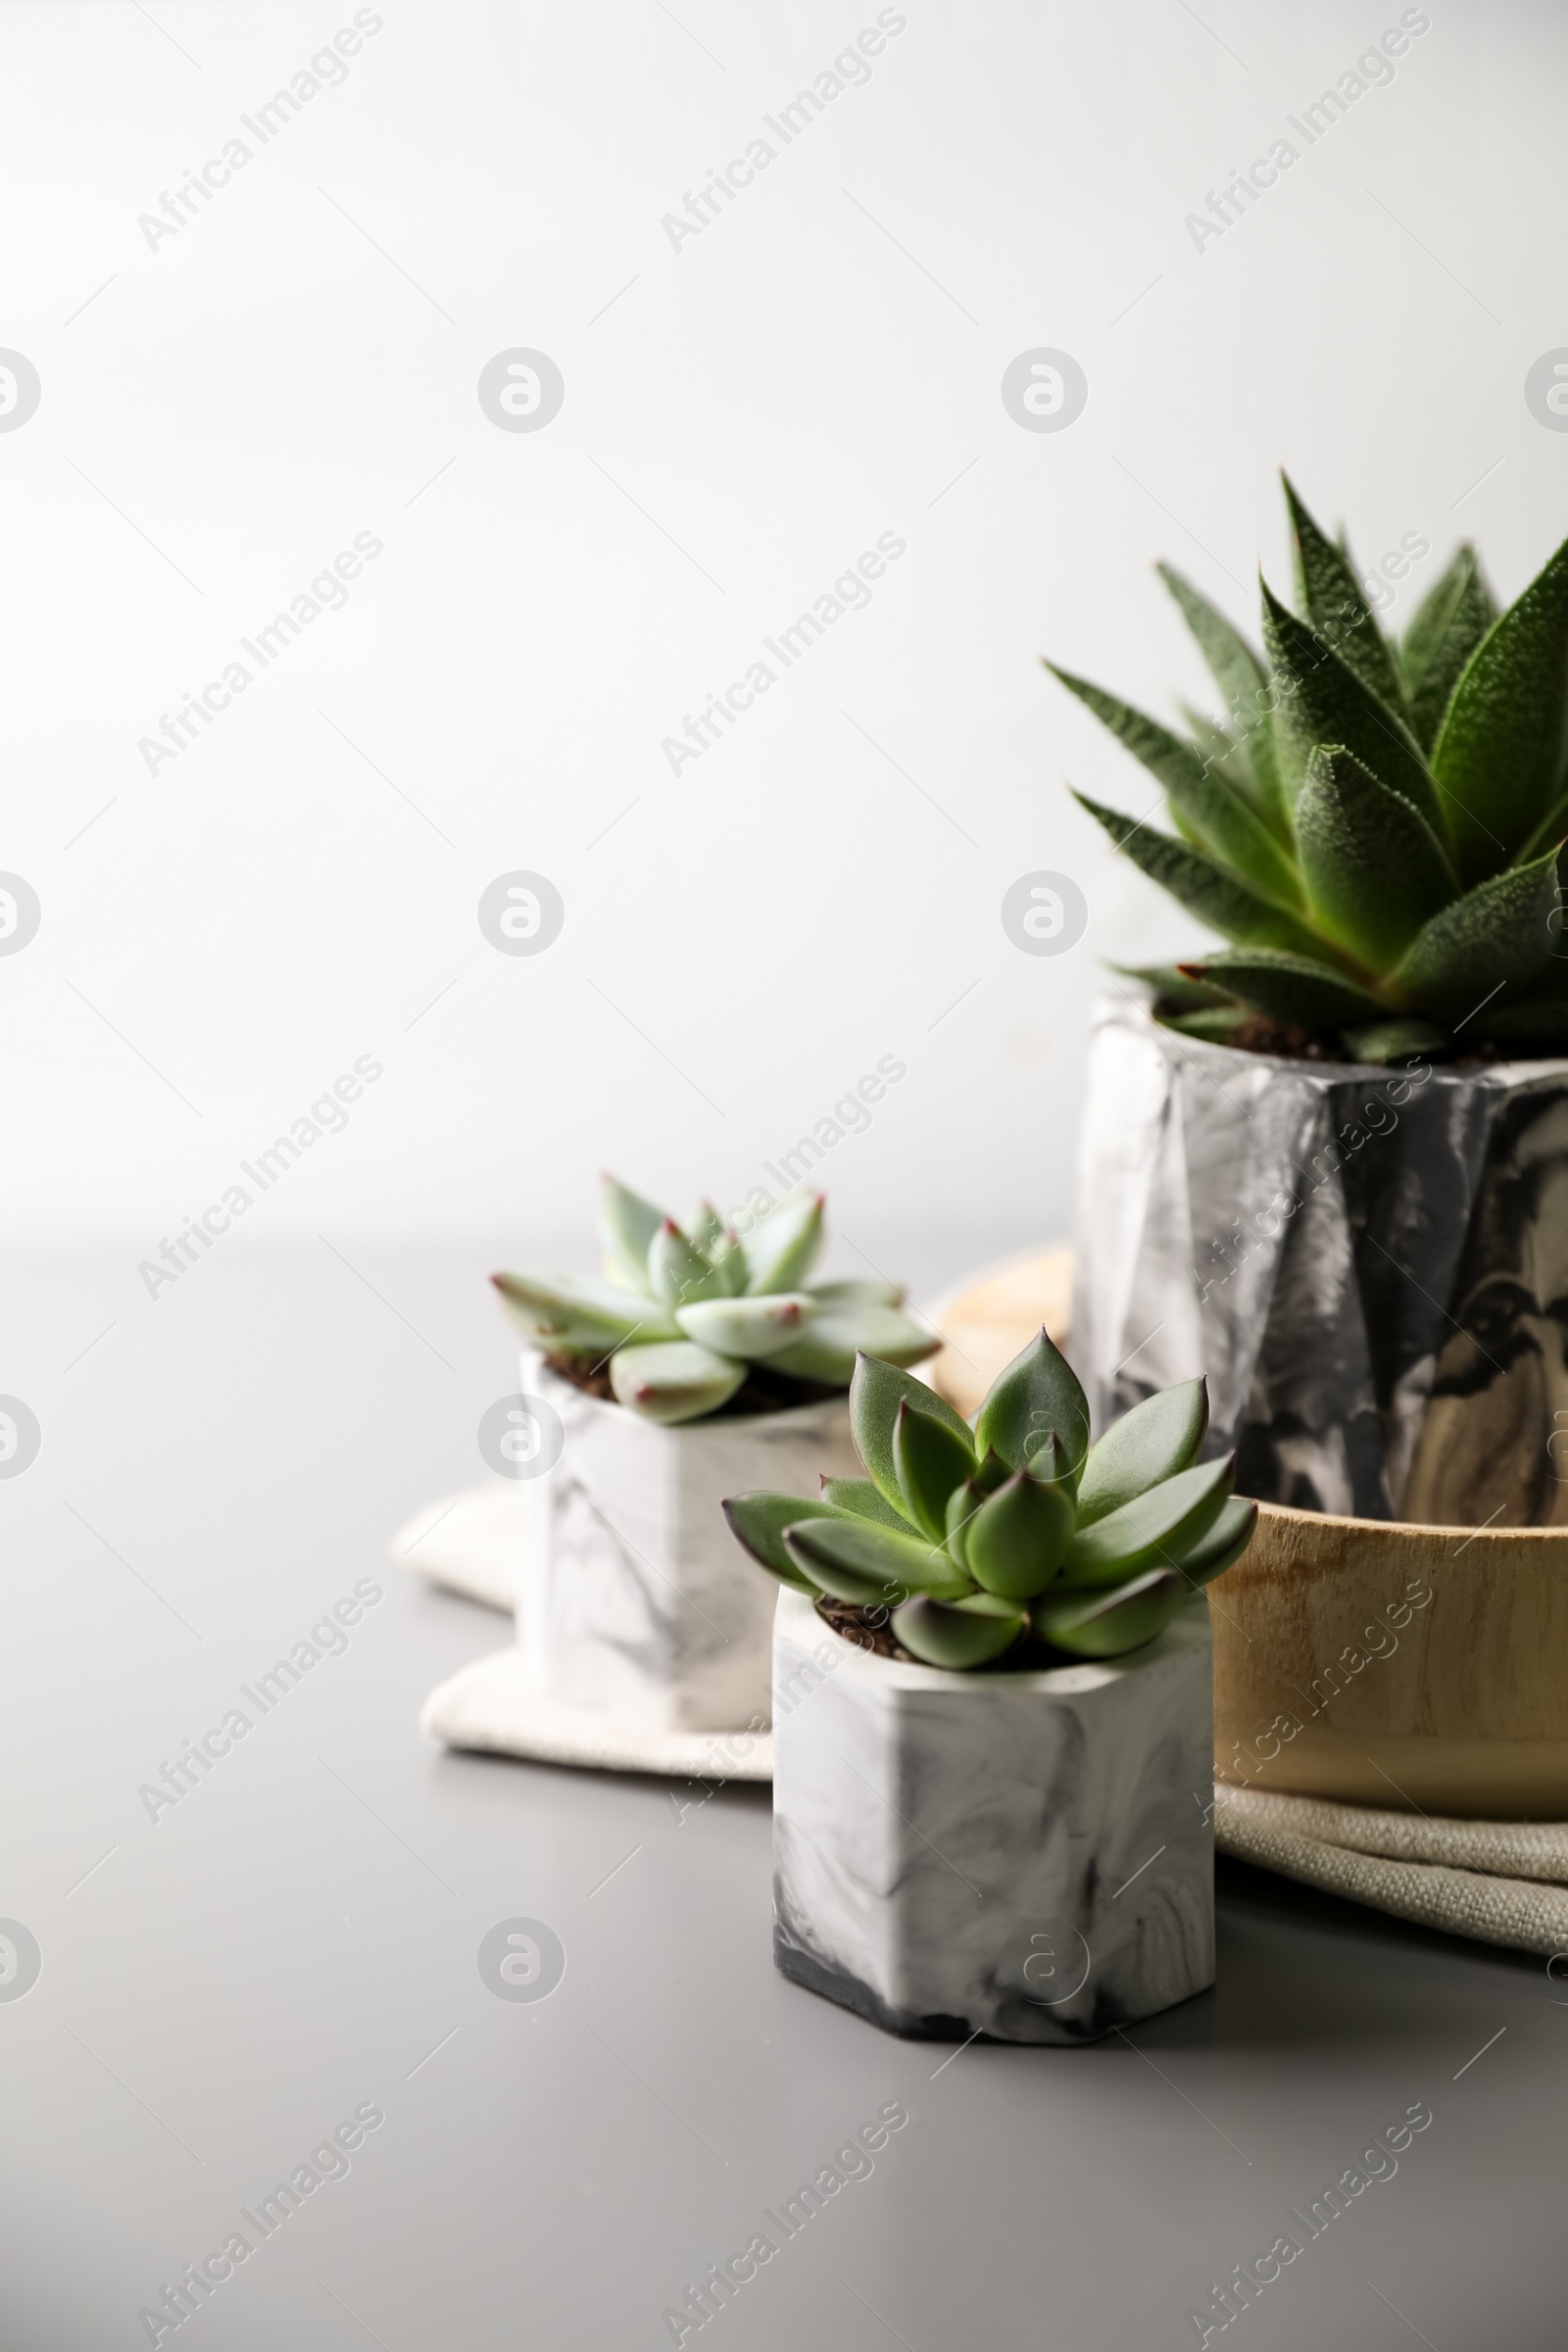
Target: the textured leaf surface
(628, 1224)
(1037, 1393)
(1201, 885)
(859, 1497)
(1373, 868)
(1122, 1620)
(1294, 989)
(673, 1381)
(1499, 937)
(829, 1549)
(1498, 758)
(1449, 626)
(876, 1392)
(755, 1328)
(828, 1350)
(1151, 1442)
(929, 1459)
(1225, 1541)
(574, 1312)
(1336, 607)
(1321, 700)
(1244, 683)
(759, 1520)
(960, 1635)
(857, 1294)
(1207, 807)
(678, 1272)
(786, 1244)
(1018, 1538)
(1152, 1530)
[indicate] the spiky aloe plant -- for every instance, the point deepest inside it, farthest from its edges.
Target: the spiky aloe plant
(685, 1320)
(1017, 1535)
(1376, 827)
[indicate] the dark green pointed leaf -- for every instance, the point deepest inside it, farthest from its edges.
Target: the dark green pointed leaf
(1448, 627)
(759, 1520)
(1200, 884)
(860, 1500)
(960, 1635)
(1244, 683)
(875, 1394)
(1337, 608)
(929, 1459)
(1498, 758)
(1294, 989)
(1321, 700)
(1152, 1530)
(1222, 753)
(1550, 834)
(842, 1555)
(1054, 1463)
(1499, 937)
(1037, 1393)
(1109, 1625)
(962, 1504)
(1373, 868)
(1170, 984)
(1205, 805)
(1156, 1439)
(1018, 1539)
(1225, 1541)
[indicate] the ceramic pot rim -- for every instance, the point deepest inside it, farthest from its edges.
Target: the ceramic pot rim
(1088, 1674)
(1494, 1073)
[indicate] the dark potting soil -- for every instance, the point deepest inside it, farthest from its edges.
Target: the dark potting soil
(760, 1391)
(1258, 1034)
(868, 1629)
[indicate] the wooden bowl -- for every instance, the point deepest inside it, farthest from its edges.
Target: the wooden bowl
(1333, 1675)
(1422, 1669)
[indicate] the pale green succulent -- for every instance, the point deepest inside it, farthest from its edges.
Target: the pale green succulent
(688, 1322)
(1017, 1538)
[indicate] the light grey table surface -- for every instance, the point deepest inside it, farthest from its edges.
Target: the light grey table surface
(223, 1985)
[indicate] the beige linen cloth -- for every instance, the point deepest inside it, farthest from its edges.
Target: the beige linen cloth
(1500, 1882)
(468, 1543)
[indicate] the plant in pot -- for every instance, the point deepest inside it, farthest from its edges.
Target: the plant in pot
(699, 1359)
(1329, 1160)
(992, 1743)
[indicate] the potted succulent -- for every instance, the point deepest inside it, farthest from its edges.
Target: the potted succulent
(696, 1361)
(991, 1730)
(1329, 1160)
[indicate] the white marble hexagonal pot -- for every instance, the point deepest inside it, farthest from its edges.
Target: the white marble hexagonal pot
(1026, 1855)
(634, 1598)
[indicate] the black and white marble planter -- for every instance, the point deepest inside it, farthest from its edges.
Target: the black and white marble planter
(1369, 1265)
(634, 1598)
(1030, 1856)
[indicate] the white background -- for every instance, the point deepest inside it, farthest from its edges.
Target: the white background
(820, 365)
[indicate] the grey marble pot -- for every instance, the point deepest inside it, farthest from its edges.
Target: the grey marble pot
(1370, 1265)
(1029, 1856)
(634, 1598)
